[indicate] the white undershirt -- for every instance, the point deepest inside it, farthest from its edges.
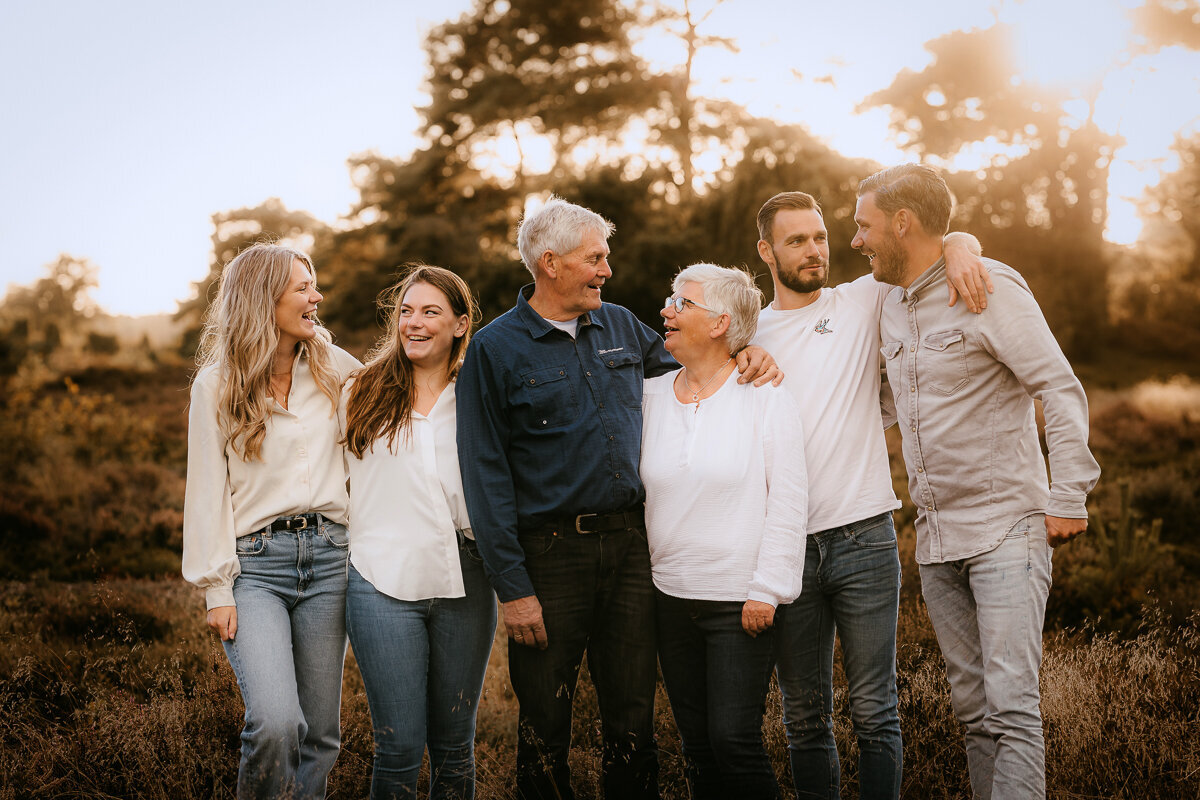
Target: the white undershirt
(726, 492)
(570, 326)
(405, 506)
(829, 352)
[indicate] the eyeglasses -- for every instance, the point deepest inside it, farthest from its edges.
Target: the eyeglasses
(681, 302)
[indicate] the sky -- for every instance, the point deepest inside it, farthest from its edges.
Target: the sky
(129, 124)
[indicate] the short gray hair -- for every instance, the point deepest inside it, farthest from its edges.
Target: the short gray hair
(727, 290)
(558, 226)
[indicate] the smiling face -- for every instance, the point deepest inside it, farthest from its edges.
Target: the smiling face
(428, 326)
(296, 308)
(798, 253)
(876, 240)
(574, 279)
(689, 333)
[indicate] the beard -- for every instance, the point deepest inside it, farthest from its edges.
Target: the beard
(794, 279)
(888, 266)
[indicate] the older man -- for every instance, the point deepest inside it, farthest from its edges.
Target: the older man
(549, 437)
(964, 387)
(827, 340)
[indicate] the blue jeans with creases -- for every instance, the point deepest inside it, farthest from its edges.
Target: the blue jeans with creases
(423, 664)
(596, 597)
(987, 612)
(851, 588)
(287, 655)
(717, 677)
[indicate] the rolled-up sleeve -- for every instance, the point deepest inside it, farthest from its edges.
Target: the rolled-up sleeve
(209, 537)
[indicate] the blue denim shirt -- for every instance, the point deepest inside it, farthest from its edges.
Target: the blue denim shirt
(550, 426)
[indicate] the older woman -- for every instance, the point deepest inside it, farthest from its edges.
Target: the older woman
(420, 611)
(726, 503)
(264, 514)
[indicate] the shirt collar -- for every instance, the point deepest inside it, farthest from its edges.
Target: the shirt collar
(926, 279)
(538, 325)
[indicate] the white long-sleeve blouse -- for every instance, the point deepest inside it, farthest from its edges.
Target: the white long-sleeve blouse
(726, 492)
(301, 470)
(406, 506)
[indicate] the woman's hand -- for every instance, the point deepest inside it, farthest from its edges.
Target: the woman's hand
(223, 621)
(757, 617)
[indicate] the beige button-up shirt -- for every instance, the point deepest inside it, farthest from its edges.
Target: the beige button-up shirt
(964, 386)
(301, 471)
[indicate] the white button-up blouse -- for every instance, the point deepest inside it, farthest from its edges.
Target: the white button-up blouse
(301, 470)
(406, 505)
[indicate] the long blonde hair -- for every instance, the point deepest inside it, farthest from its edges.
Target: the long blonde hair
(240, 339)
(381, 398)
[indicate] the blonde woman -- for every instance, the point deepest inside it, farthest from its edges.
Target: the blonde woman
(420, 611)
(265, 512)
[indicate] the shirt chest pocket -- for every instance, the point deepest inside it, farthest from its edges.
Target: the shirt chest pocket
(546, 399)
(625, 378)
(942, 367)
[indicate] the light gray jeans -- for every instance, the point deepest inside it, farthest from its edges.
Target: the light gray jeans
(988, 612)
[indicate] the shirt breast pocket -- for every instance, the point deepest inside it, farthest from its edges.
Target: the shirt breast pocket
(943, 367)
(626, 377)
(547, 399)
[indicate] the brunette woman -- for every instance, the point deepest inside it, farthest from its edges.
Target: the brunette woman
(420, 611)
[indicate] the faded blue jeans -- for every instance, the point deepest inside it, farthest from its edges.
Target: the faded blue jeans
(988, 611)
(717, 677)
(288, 656)
(852, 589)
(423, 663)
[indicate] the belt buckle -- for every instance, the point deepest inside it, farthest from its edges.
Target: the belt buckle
(297, 523)
(579, 519)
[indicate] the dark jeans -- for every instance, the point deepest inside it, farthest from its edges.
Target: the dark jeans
(717, 677)
(851, 588)
(597, 598)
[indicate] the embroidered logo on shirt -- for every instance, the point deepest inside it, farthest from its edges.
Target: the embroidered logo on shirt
(612, 350)
(823, 326)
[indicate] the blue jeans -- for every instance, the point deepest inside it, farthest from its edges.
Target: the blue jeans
(851, 588)
(596, 596)
(717, 677)
(288, 656)
(423, 664)
(987, 612)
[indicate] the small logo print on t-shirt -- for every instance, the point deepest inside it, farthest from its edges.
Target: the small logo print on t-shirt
(823, 326)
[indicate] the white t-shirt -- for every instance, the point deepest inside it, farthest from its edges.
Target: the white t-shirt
(726, 494)
(406, 505)
(829, 353)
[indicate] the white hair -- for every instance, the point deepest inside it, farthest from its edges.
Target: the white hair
(558, 226)
(727, 290)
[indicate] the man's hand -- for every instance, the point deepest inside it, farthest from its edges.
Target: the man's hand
(523, 620)
(756, 364)
(757, 617)
(1060, 531)
(965, 271)
(223, 621)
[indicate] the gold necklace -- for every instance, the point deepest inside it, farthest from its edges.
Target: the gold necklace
(696, 392)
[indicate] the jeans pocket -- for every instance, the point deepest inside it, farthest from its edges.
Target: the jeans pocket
(470, 549)
(536, 544)
(335, 534)
(880, 534)
(251, 544)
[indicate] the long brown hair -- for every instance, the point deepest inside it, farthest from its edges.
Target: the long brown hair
(240, 337)
(382, 395)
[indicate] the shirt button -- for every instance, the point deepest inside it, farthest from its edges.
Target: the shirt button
(912, 349)
(588, 373)
(920, 469)
(544, 423)
(929, 508)
(611, 438)
(914, 427)
(532, 381)
(618, 476)
(611, 363)
(601, 405)
(912, 388)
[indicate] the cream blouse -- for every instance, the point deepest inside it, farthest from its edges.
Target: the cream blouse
(301, 470)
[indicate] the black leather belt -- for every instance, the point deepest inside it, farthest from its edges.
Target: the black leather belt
(610, 522)
(294, 522)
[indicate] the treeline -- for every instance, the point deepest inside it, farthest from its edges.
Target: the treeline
(515, 79)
